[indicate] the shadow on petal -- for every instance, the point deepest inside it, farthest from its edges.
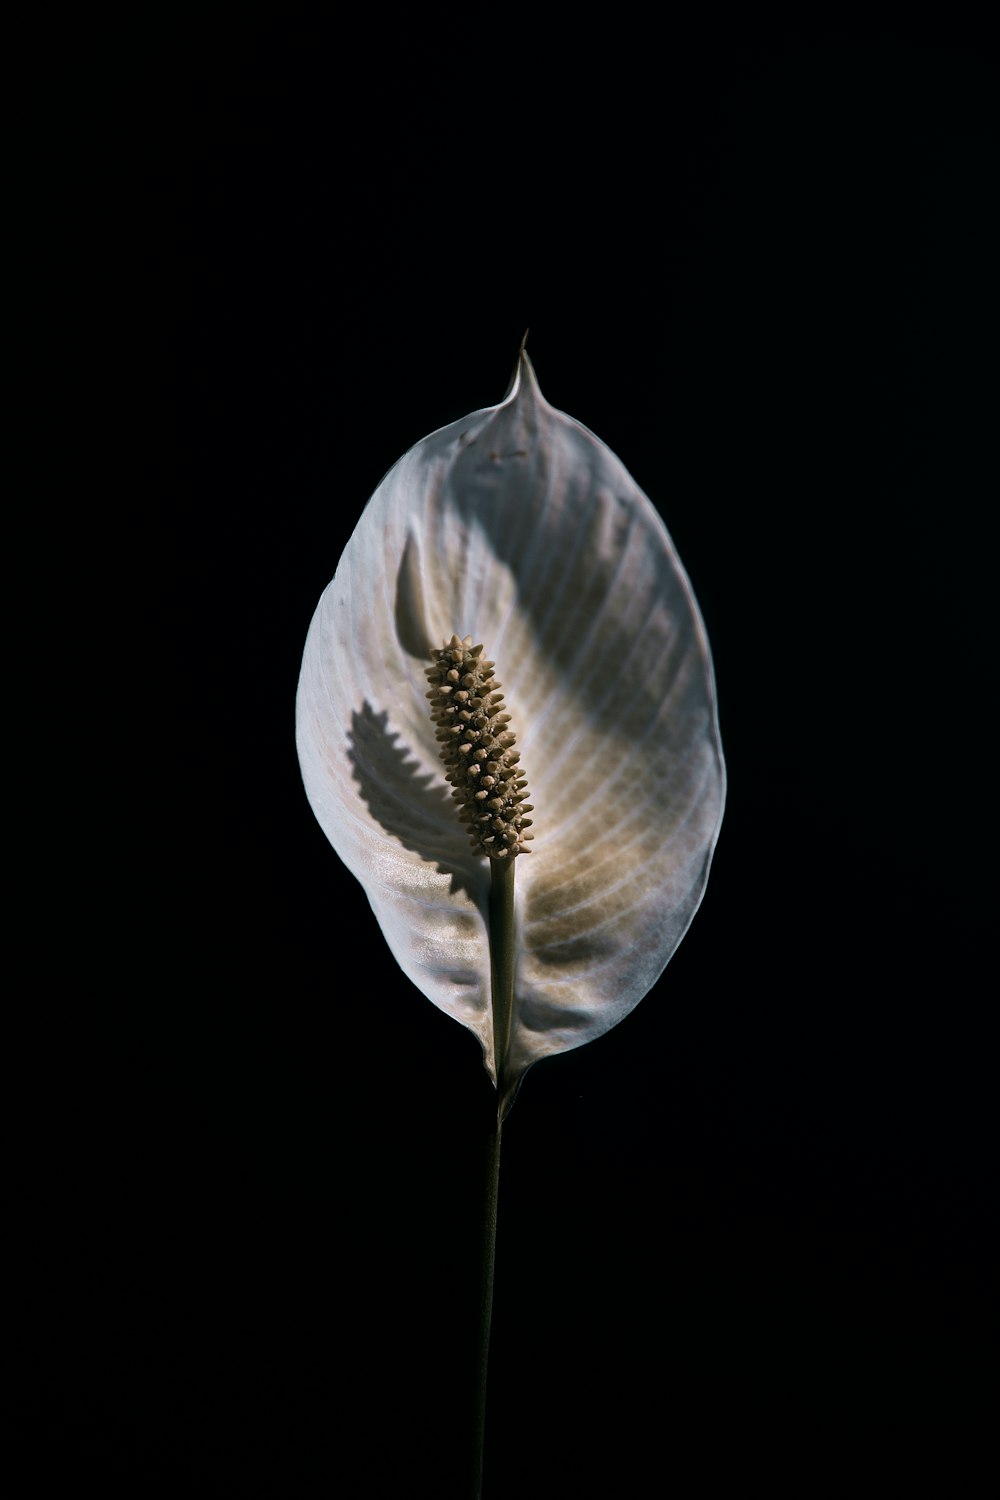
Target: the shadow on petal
(411, 610)
(586, 557)
(545, 1013)
(411, 805)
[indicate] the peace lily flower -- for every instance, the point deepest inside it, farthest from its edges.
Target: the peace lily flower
(516, 530)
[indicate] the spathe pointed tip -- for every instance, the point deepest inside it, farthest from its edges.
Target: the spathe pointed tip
(523, 380)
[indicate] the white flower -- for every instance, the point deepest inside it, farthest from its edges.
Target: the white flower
(519, 528)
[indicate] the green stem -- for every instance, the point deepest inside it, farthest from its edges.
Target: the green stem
(486, 1299)
(502, 961)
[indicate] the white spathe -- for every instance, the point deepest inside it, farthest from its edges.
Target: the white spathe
(518, 527)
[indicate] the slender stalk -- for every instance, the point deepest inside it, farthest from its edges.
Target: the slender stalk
(486, 1300)
(502, 961)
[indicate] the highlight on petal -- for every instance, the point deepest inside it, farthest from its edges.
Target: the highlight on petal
(518, 528)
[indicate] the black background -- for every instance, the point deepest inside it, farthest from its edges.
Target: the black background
(746, 1236)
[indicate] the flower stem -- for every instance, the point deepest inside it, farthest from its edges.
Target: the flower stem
(502, 959)
(486, 1299)
(502, 962)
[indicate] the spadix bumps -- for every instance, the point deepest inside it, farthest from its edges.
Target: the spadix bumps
(477, 748)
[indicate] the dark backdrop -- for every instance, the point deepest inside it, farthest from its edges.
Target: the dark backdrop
(744, 1237)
